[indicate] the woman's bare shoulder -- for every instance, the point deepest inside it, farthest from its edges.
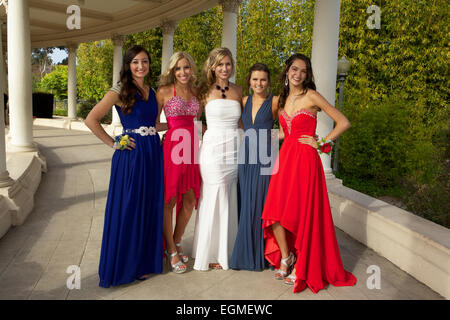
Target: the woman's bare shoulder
(164, 90)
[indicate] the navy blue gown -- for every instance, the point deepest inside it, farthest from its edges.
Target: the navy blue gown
(248, 251)
(132, 235)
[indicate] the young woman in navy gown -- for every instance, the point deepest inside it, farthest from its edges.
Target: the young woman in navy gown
(255, 161)
(132, 235)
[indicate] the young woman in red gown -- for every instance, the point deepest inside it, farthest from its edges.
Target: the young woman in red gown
(300, 239)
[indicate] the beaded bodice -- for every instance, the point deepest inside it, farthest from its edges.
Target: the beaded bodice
(177, 106)
(302, 122)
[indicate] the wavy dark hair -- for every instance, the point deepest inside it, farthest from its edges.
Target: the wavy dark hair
(307, 84)
(128, 88)
(257, 67)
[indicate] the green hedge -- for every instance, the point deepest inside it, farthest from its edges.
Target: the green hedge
(85, 107)
(392, 150)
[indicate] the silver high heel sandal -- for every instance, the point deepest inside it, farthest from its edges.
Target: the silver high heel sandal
(178, 267)
(181, 254)
(290, 279)
(280, 274)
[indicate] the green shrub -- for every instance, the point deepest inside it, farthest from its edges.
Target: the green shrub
(55, 82)
(60, 112)
(432, 200)
(385, 143)
(393, 149)
(86, 106)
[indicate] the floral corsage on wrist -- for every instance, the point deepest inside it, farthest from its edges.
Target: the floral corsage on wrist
(121, 142)
(324, 146)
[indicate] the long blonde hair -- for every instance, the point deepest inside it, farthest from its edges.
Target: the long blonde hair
(168, 77)
(208, 76)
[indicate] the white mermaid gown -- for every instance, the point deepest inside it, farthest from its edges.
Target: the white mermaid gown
(216, 223)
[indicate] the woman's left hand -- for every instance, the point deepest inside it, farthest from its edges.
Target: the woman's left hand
(308, 140)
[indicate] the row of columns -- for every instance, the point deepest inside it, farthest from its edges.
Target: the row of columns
(324, 59)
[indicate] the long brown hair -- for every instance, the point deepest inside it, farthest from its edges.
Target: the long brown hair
(208, 75)
(307, 84)
(128, 88)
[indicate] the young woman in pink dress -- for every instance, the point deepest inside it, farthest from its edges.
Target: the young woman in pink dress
(298, 227)
(182, 180)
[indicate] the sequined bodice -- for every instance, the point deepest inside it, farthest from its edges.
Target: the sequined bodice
(302, 122)
(177, 106)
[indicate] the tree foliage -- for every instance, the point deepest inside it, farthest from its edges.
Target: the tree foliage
(199, 34)
(94, 70)
(396, 96)
(55, 82)
(42, 58)
(269, 31)
(407, 59)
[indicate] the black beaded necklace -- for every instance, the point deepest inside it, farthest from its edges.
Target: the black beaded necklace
(223, 90)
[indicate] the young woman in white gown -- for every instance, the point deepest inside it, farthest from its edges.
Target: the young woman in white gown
(217, 217)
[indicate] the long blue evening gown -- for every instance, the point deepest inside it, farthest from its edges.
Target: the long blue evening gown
(132, 235)
(248, 252)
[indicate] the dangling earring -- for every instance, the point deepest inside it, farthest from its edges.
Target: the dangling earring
(286, 82)
(250, 90)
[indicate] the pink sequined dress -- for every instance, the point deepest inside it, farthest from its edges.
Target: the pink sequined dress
(181, 147)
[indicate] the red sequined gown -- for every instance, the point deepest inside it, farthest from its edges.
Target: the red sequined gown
(297, 198)
(181, 148)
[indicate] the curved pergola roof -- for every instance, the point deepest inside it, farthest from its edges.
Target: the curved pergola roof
(101, 19)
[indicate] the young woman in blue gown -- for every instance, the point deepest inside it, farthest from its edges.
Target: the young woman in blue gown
(255, 161)
(132, 245)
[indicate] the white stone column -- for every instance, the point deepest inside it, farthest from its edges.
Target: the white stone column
(5, 179)
(324, 64)
(117, 40)
(168, 30)
(230, 11)
(72, 82)
(19, 77)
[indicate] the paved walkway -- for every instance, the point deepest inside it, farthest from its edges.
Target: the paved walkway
(65, 228)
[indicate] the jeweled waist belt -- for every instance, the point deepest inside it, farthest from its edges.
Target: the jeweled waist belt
(143, 131)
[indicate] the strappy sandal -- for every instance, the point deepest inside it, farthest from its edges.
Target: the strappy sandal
(280, 274)
(215, 266)
(178, 267)
(181, 254)
(290, 279)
